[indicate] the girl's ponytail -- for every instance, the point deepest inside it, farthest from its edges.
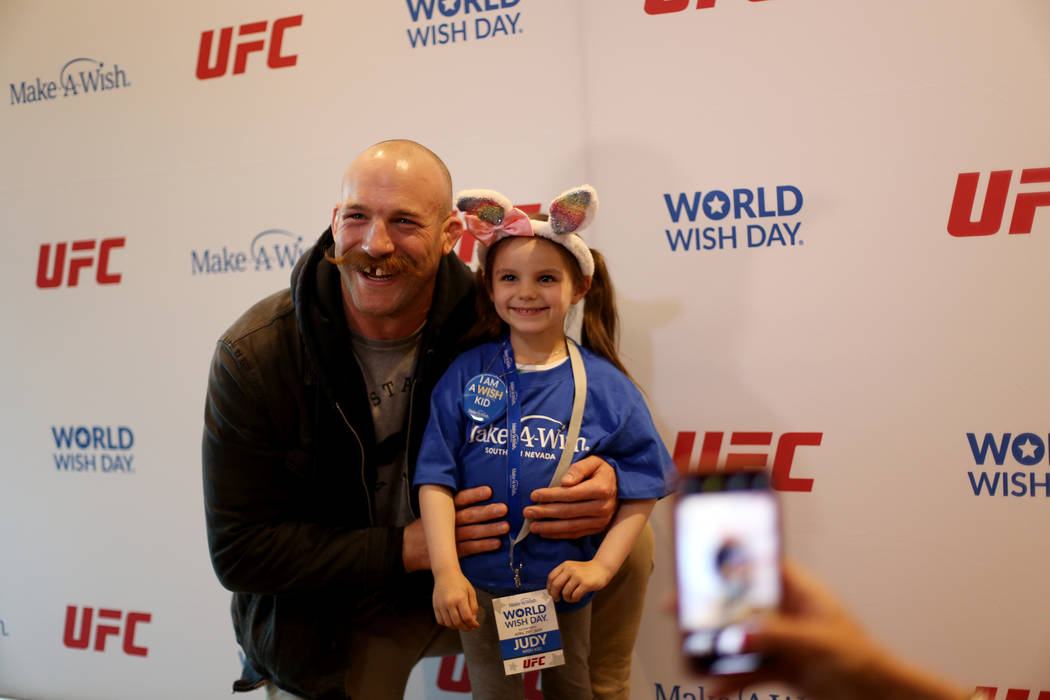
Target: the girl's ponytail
(600, 318)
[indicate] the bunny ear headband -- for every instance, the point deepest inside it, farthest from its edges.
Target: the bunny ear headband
(490, 217)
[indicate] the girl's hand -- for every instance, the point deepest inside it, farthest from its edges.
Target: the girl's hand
(455, 603)
(572, 580)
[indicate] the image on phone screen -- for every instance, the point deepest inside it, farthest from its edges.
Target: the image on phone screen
(727, 552)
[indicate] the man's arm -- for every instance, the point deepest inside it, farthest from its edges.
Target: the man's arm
(583, 505)
(251, 493)
(478, 529)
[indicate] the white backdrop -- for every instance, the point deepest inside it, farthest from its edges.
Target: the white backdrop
(849, 320)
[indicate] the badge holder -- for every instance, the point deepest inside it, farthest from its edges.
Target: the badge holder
(529, 638)
(526, 623)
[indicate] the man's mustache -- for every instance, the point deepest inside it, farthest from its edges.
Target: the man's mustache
(394, 264)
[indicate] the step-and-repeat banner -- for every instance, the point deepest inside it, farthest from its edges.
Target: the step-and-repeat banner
(828, 224)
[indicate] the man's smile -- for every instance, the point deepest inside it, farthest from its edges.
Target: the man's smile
(376, 273)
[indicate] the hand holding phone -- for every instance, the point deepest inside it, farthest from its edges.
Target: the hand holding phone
(727, 560)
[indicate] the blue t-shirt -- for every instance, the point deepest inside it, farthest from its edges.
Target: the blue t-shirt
(460, 453)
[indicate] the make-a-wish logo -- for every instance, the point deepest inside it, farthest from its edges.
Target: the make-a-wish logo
(93, 448)
(738, 218)
(678, 692)
(440, 22)
(541, 437)
(272, 249)
(1025, 450)
(80, 76)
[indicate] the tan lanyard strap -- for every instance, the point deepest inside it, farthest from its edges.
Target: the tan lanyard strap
(579, 398)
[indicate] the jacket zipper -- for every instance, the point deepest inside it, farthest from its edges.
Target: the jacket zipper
(420, 369)
(408, 440)
(361, 447)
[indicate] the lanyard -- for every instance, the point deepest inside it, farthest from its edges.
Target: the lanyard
(513, 428)
(579, 376)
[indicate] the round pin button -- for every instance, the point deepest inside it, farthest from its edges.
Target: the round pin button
(485, 398)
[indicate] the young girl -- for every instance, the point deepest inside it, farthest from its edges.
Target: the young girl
(522, 383)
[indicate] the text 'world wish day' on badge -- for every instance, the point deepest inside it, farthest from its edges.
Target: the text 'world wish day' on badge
(528, 632)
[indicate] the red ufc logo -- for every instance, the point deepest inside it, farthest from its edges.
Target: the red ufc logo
(448, 680)
(659, 7)
(274, 58)
(1011, 694)
(83, 256)
(467, 242)
(711, 451)
(960, 221)
(75, 640)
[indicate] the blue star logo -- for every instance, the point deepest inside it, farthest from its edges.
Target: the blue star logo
(716, 205)
(1028, 449)
(450, 7)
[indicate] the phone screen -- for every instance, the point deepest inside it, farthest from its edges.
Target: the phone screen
(727, 553)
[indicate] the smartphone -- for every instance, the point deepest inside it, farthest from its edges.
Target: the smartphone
(727, 566)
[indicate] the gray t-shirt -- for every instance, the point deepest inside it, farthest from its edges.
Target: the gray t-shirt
(388, 367)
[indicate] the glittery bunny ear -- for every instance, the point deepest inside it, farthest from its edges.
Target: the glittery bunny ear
(488, 205)
(490, 216)
(573, 210)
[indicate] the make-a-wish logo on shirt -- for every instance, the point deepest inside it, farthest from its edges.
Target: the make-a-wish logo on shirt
(541, 437)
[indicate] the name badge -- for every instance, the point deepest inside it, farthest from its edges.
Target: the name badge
(528, 632)
(485, 398)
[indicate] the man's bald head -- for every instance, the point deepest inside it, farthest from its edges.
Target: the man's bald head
(404, 156)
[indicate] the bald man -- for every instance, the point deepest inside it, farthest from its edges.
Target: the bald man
(317, 400)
